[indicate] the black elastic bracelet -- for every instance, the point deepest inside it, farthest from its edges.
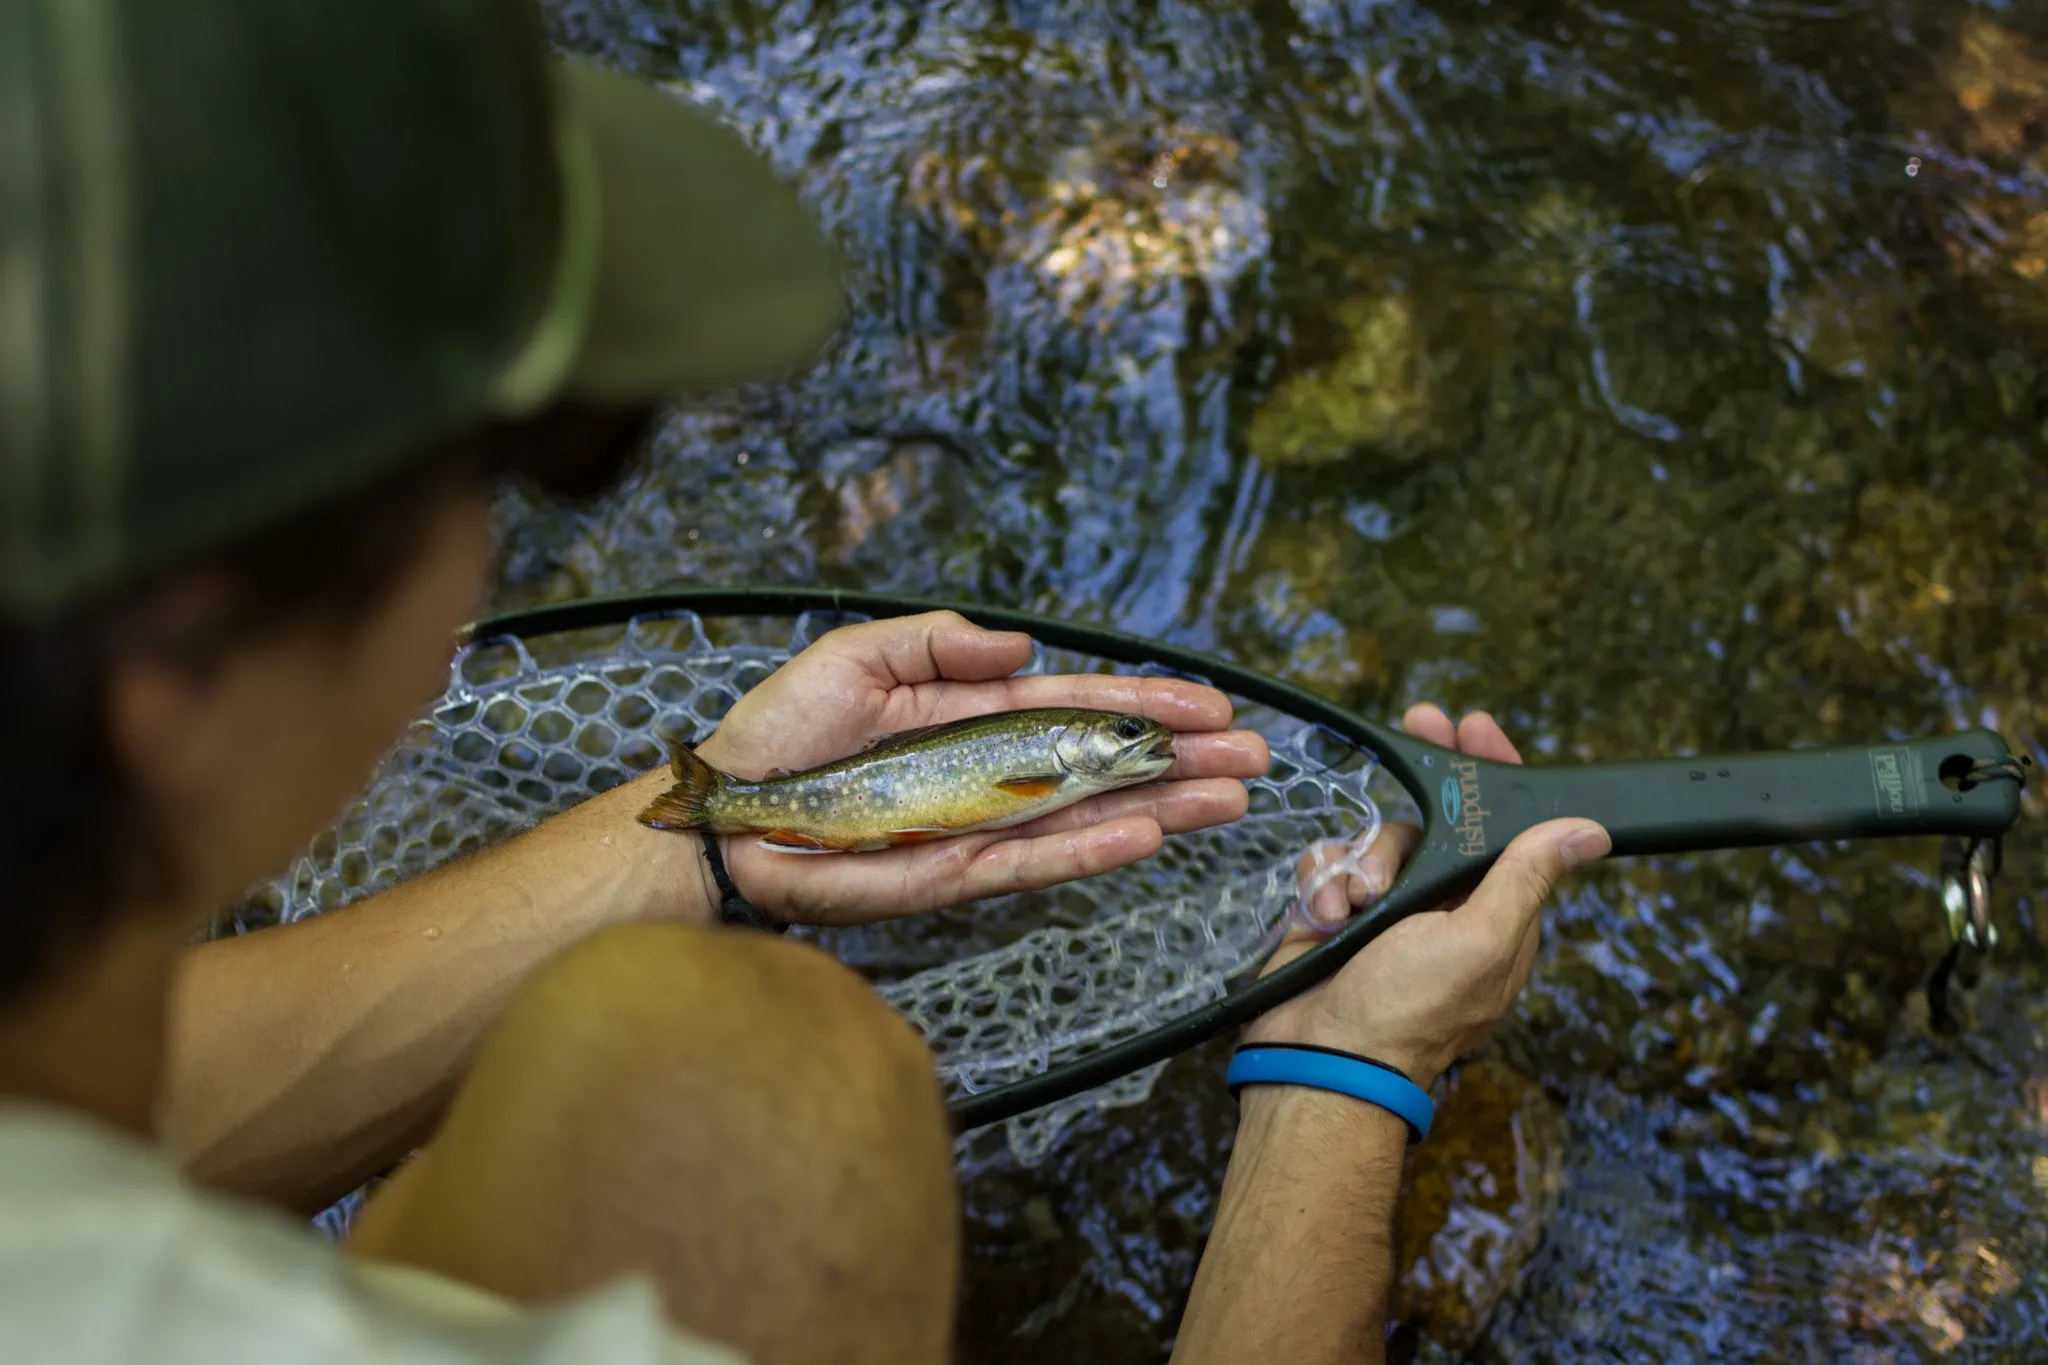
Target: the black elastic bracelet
(733, 908)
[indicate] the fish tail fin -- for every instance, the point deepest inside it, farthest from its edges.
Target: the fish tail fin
(686, 805)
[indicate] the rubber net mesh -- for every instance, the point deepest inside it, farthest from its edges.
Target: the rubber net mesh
(1001, 990)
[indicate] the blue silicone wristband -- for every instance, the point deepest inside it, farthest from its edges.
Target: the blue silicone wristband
(1326, 1069)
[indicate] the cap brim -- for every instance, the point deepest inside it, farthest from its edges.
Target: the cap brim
(709, 269)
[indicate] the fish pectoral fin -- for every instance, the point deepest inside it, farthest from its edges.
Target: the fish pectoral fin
(915, 834)
(790, 841)
(1033, 785)
(775, 774)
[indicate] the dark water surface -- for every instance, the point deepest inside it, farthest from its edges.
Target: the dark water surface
(1664, 377)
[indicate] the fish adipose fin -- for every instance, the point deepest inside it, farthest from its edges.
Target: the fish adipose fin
(789, 841)
(686, 805)
(1033, 786)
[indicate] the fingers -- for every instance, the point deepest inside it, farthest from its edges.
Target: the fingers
(1427, 721)
(1389, 854)
(907, 650)
(960, 649)
(944, 646)
(1333, 903)
(1032, 864)
(1176, 807)
(858, 888)
(1174, 703)
(1178, 705)
(1478, 734)
(1511, 896)
(976, 665)
(1232, 753)
(1481, 736)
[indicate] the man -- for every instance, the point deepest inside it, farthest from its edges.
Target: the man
(285, 287)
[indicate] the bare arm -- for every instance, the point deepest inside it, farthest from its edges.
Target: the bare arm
(307, 1057)
(1301, 1261)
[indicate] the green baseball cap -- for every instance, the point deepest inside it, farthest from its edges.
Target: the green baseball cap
(252, 251)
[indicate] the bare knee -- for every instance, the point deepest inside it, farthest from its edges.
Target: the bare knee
(739, 1117)
(682, 967)
(721, 983)
(672, 1008)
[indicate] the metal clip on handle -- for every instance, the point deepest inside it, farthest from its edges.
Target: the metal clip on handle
(1967, 869)
(1969, 865)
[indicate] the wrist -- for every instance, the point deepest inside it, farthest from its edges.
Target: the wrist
(1332, 1159)
(1306, 1215)
(1294, 1125)
(1413, 1058)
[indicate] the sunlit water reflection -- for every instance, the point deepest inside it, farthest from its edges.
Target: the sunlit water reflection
(1664, 377)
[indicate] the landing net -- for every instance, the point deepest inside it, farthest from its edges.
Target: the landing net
(1002, 990)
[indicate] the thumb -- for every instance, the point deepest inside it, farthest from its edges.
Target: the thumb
(906, 650)
(1529, 869)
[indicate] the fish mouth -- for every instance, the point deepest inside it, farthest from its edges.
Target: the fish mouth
(1156, 757)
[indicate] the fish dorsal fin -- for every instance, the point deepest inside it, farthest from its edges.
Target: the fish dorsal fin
(905, 736)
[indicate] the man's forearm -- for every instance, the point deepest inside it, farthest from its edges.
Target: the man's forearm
(305, 1057)
(1301, 1261)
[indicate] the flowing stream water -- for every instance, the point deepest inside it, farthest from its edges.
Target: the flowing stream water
(1664, 377)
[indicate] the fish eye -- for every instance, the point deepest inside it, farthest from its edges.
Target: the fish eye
(1130, 727)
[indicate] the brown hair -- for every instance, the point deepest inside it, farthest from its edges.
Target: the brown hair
(76, 838)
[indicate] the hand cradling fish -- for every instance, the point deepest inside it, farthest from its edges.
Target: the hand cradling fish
(988, 772)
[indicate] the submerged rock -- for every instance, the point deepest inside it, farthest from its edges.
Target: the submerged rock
(1377, 393)
(2000, 80)
(1474, 1203)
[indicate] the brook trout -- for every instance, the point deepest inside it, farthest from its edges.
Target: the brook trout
(989, 772)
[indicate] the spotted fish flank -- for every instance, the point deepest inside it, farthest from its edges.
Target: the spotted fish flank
(990, 772)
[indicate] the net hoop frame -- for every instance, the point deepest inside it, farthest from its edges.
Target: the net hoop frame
(1080, 1074)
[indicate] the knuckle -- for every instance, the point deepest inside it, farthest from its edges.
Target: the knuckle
(1014, 873)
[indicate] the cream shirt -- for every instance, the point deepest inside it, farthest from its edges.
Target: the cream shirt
(108, 1256)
